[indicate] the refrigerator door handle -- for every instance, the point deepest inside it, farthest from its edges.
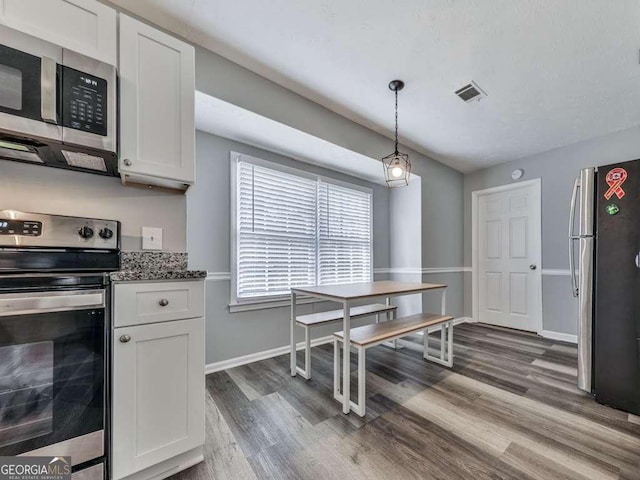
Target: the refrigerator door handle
(638, 260)
(573, 238)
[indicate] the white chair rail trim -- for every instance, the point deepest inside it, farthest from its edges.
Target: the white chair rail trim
(220, 276)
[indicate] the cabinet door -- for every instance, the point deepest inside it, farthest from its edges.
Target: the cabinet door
(86, 26)
(157, 90)
(158, 393)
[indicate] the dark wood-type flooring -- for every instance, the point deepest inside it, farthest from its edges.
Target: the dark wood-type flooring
(508, 409)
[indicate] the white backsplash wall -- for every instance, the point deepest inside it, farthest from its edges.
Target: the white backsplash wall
(34, 188)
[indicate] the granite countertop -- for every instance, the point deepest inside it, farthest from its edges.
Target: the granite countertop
(141, 266)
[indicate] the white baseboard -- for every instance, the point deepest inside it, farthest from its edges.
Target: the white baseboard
(565, 337)
(275, 352)
(256, 357)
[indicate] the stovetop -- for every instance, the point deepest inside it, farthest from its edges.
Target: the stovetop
(37, 242)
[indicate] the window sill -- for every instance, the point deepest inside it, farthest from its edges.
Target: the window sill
(265, 303)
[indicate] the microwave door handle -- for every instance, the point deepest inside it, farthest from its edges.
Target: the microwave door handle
(573, 238)
(48, 93)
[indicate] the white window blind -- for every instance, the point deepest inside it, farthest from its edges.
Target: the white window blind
(344, 240)
(276, 226)
(297, 230)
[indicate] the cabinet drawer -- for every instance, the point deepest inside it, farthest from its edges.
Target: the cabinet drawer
(141, 303)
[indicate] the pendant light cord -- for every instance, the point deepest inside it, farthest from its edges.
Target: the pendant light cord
(396, 152)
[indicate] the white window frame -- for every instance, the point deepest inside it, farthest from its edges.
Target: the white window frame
(273, 301)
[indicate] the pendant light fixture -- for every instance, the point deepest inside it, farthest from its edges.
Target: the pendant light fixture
(397, 166)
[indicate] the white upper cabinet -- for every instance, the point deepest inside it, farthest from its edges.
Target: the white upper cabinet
(86, 26)
(157, 90)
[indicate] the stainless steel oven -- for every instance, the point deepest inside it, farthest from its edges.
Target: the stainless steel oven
(53, 360)
(57, 107)
(54, 337)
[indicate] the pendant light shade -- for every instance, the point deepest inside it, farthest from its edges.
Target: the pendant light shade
(397, 167)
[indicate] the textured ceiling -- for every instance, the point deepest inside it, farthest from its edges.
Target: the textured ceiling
(556, 71)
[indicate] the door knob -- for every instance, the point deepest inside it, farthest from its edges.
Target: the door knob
(124, 338)
(533, 266)
(164, 302)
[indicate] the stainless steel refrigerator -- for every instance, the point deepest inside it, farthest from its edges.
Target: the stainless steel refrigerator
(604, 244)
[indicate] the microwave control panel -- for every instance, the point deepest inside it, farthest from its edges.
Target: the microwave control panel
(20, 227)
(84, 101)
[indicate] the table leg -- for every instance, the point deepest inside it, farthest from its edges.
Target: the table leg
(346, 360)
(293, 333)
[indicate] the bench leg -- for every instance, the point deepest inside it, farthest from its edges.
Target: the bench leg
(338, 347)
(391, 316)
(306, 371)
(425, 335)
(446, 345)
(336, 370)
(292, 334)
(450, 344)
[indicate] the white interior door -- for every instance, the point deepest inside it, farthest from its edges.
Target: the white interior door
(508, 250)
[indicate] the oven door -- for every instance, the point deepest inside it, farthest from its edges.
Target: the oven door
(29, 98)
(52, 373)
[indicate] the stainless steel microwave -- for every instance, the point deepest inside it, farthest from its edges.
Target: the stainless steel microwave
(57, 107)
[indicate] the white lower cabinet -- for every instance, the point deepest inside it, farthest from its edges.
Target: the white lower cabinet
(158, 393)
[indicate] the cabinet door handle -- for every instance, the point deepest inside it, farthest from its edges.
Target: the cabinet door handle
(164, 302)
(127, 162)
(124, 338)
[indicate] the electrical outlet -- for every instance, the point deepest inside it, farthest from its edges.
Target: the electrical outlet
(151, 238)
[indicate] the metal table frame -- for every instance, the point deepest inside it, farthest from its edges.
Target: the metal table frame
(347, 301)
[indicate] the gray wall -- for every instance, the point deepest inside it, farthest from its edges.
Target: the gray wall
(442, 226)
(557, 169)
(441, 222)
(40, 189)
(209, 219)
(405, 205)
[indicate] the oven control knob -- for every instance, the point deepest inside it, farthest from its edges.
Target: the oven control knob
(105, 233)
(85, 232)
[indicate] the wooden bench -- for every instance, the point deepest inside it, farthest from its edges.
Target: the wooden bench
(369, 336)
(323, 318)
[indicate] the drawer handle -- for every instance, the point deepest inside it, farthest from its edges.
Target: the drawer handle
(164, 302)
(124, 338)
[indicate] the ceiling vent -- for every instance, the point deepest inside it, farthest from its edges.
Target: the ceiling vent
(471, 92)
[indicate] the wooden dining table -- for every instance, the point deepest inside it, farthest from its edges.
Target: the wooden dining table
(347, 295)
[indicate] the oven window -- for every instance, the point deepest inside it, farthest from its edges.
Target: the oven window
(52, 372)
(26, 391)
(10, 87)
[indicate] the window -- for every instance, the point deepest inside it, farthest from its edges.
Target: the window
(296, 229)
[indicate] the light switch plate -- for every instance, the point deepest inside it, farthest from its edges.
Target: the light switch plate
(151, 238)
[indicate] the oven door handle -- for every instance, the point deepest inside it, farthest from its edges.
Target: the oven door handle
(45, 302)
